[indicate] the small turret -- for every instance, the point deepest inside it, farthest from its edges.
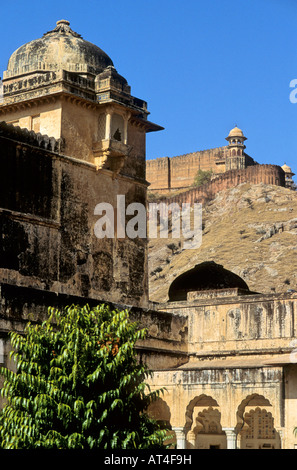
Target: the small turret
(288, 176)
(236, 156)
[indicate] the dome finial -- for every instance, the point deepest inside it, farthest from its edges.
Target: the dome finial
(63, 26)
(63, 22)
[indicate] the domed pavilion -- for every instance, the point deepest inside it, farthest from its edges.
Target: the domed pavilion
(65, 87)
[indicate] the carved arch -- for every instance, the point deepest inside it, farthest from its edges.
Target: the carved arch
(251, 400)
(201, 400)
(160, 411)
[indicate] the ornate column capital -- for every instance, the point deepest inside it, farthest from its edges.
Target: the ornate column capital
(231, 437)
(180, 436)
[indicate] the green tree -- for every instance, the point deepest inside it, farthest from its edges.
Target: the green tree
(78, 384)
(202, 177)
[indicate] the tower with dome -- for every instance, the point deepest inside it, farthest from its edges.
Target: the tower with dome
(168, 175)
(68, 88)
(73, 136)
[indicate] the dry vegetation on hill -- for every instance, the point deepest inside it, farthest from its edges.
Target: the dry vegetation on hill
(250, 230)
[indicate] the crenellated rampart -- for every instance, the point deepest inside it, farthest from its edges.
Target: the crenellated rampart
(267, 174)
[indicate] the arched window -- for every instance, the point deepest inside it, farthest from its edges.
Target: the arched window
(117, 127)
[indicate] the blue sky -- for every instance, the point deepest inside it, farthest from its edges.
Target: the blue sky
(202, 66)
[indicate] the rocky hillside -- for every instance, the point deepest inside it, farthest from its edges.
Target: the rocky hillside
(250, 230)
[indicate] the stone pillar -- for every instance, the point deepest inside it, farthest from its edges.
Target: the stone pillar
(231, 437)
(126, 120)
(180, 437)
(108, 126)
(125, 137)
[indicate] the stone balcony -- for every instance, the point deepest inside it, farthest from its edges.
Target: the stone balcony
(110, 154)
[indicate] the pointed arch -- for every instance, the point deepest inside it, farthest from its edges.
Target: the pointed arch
(255, 425)
(160, 411)
(201, 400)
(251, 400)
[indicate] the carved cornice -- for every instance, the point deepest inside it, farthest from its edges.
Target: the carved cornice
(144, 125)
(21, 105)
(53, 98)
(77, 100)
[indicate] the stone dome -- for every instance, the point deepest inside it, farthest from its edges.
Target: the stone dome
(287, 169)
(59, 49)
(236, 132)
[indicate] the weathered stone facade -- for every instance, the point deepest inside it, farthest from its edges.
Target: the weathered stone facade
(72, 136)
(67, 88)
(241, 361)
(47, 225)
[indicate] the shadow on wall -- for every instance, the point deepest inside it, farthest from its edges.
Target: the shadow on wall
(205, 276)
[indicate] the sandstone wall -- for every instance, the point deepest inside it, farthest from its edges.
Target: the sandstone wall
(47, 221)
(179, 172)
(239, 325)
(267, 174)
(158, 173)
(242, 357)
(185, 167)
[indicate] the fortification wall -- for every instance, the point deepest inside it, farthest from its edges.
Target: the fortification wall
(267, 174)
(184, 168)
(178, 172)
(158, 173)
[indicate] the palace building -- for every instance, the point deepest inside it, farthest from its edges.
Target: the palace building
(71, 136)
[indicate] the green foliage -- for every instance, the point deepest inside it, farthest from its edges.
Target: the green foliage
(78, 384)
(202, 177)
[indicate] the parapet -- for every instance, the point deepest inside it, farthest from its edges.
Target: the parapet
(31, 138)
